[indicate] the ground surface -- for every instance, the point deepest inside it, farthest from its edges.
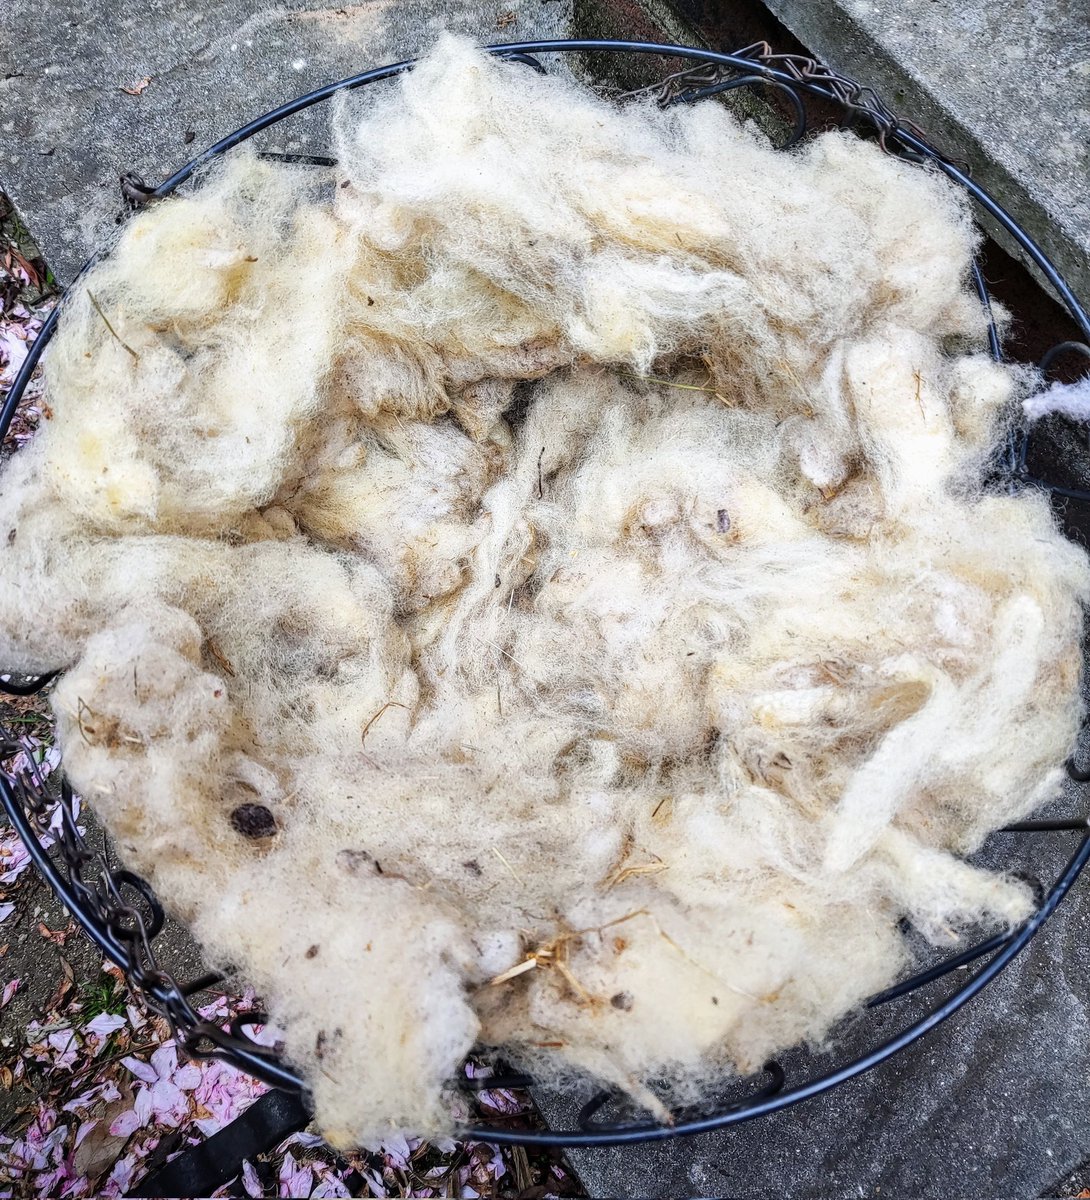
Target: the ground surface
(89, 88)
(993, 1104)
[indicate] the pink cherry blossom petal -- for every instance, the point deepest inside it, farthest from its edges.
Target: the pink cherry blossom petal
(101, 1091)
(143, 1106)
(168, 1103)
(397, 1149)
(214, 1009)
(250, 1180)
(375, 1183)
(126, 1124)
(330, 1186)
(294, 1181)
(103, 1025)
(302, 1139)
(42, 1148)
(17, 862)
(47, 1183)
(64, 1042)
(164, 1061)
(188, 1077)
(265, 1035)
(140, 1069)
(120, 1177)
(84, 1129)
(497, 1166)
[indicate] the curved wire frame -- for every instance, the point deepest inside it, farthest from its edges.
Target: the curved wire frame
(121, 914)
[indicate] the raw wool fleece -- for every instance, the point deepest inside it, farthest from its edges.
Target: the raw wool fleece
(457, 679)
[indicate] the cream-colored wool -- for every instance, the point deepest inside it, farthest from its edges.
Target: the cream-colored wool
(569, 530)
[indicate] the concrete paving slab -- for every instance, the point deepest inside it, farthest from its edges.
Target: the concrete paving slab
(199, 69)
(992, 1103)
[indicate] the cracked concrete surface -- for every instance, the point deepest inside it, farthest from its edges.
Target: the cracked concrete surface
(68, 129)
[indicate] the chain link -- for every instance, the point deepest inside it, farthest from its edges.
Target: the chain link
(99, 893)
(856, 99)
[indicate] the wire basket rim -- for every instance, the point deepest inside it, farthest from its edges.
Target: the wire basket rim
(753, 65)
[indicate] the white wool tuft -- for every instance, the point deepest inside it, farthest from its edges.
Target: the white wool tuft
(1068, 399)
(541, 593)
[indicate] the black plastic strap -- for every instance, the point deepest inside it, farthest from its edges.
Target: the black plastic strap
(201, 1169)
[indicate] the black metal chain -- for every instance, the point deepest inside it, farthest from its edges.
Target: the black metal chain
(121, 913)
(856, 99)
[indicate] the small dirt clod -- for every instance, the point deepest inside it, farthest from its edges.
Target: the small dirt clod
(254, 821)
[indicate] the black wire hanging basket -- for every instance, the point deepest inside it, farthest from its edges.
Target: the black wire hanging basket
(121, 914)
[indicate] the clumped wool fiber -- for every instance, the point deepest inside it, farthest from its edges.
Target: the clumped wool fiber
(538, 590)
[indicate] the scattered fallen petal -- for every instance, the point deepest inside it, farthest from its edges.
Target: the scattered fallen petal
(250, 1180)
(140, 1069)
(330, 1186)
(120, 1177)
(215, 1009)
(302, 1139)
(105, 1091)
(103, 1026)
(126, 1124)
(187, 1077)
(397, 1149)
(66, 1046)
(375, 1183)
(168, 1103)
(294, 1180)
(84, 1129)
